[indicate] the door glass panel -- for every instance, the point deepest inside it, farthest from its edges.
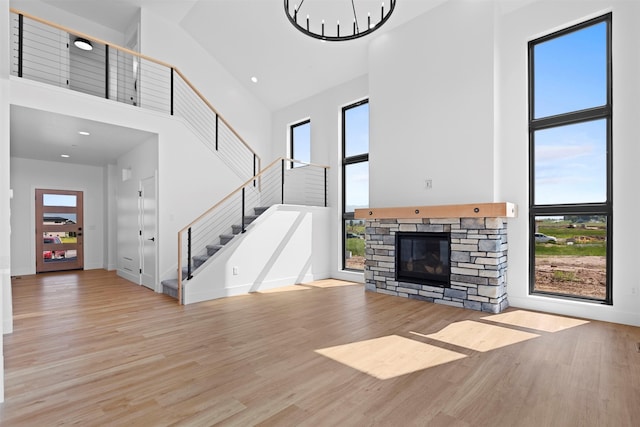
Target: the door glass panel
(59, 237)
(59, 218)
(59, 256)
(59, 200)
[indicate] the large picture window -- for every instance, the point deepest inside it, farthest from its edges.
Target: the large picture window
(355, 181)
(570, 144)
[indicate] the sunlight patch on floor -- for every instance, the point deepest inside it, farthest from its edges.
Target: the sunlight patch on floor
(331, 283)
(291, 288)
(389, 356)
(479, 336)
(538, 321)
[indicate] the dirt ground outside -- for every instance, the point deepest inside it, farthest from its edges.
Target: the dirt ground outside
(356, 262)
(572, 275)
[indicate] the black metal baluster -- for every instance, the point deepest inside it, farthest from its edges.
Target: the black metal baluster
(189, 276)
(216, 132)
(243, 229)
(172, 91)
(282, 182)
(20, 43)
(106, 71)
(254, 168)
(325, 187)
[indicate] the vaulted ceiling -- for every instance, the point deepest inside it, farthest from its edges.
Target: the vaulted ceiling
(254, 38)
(248, 37)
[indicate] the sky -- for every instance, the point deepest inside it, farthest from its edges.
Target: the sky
(357, 142)
(302, 142)
(571, 75)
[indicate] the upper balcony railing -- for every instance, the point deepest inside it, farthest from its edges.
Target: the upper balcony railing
(45, 52)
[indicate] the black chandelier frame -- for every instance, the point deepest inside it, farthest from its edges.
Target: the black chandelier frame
(356, 33)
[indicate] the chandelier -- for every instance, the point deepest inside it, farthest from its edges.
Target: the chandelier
(352, 28)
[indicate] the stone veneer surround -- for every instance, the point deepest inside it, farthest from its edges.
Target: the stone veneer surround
(478, 261)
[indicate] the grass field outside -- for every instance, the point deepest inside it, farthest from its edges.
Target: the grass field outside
(575, 264)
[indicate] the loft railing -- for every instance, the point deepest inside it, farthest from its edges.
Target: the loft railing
(284, 181)
(45, 52)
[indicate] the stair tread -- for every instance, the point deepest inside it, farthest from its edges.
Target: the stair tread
(170, 283)
(216, 246)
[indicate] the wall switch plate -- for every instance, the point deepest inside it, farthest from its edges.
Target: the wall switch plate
(235, 271)
(428, 184)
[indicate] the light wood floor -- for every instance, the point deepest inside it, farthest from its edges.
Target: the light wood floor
(92, 349)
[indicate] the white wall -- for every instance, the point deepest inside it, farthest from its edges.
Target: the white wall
(515, 29)
(6, 310)
(110, 213)
(142, 161)
(74, 22)
(166, 41)
(325, 112)
(26, 176)
(431, 108)
(286, 245)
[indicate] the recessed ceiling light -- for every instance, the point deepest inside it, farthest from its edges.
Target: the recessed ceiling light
(66, 156)
(254, 79)
(84, 132)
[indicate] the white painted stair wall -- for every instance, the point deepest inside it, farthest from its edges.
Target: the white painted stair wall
(286, 245)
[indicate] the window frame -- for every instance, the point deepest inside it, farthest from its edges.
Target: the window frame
(347, 161)
(292, 141)
(604, 112)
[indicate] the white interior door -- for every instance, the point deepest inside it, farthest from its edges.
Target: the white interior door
(148, 232)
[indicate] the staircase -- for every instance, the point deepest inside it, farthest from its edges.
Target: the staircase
(170, 286)
(167, 90)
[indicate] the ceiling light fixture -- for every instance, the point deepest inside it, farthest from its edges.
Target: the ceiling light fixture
(83, 44)
(254, 79)
(66, 156)
(84, 132)
(315, 29)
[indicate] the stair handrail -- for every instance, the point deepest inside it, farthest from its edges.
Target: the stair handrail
(253, 181)
(145, 57)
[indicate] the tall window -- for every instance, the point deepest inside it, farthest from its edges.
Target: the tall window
(300, 138)
(570, 159)
(355, 181)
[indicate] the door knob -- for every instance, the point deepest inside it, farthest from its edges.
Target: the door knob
(153, 239)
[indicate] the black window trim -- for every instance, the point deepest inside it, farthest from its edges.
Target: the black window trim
(291, 139)
(346, 161)
(604, 112)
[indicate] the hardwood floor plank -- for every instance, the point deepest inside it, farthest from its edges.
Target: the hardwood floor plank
(92, 349)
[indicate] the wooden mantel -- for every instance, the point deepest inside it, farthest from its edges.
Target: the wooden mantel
(472, 210)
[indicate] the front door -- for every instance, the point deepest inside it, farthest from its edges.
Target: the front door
(148, 227)
(59, 230)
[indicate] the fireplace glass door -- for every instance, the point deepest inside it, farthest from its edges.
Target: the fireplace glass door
(423, 258)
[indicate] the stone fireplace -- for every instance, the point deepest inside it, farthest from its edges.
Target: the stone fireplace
(406, 247)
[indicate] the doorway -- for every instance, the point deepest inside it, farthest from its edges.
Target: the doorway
(59, 230)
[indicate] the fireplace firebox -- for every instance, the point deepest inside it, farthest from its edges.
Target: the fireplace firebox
(423, 258)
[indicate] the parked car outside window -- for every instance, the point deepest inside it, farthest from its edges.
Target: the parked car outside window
(543, 238)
